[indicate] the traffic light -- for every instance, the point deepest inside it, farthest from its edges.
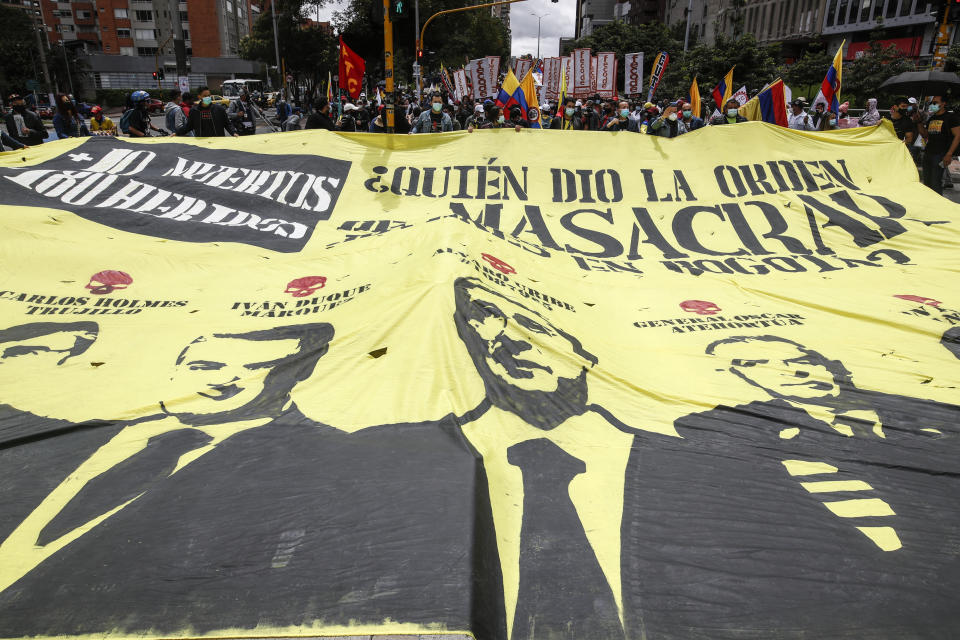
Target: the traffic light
(399, 8)
(155, 76)
(419, 55)
(161, 74)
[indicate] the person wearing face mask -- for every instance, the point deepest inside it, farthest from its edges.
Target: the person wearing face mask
(818, 114)
(206, 119)
(829, 122)
(621, 121)
(730, 115)
(690, 120)
(668, 125)
(495, 120)
(24, 125)
(434, 120)
(67, 122)
(942, 133)
(568, 118)
(903, 124)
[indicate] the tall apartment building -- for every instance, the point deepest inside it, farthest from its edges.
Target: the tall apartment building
(502, 11)
(127, 40)
(909, 24)
(595, 13)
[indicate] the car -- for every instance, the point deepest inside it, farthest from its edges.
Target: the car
(154, 105)
(221, 100)
(45, 111)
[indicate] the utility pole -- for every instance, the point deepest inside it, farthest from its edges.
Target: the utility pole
(686, 35)
(388, 65)
(66, 63)
(156, 60)
(276, 42)
(179, 43)
(416, 35)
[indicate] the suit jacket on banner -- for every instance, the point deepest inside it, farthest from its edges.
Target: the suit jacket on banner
(766, 523)
(289, 524)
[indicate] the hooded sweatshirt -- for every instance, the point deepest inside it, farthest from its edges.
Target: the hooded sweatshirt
(871, 116)
(175, 118)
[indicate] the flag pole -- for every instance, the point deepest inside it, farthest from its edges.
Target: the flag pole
(388, 65)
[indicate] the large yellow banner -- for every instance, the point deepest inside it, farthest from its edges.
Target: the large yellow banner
(525, 385)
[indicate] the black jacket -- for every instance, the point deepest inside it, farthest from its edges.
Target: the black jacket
(32, 121)
(221, 122)
(318, 120)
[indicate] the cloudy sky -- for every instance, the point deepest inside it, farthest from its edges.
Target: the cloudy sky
(557, 21)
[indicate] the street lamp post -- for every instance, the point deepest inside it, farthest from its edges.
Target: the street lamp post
(276, 42)
(539, 18)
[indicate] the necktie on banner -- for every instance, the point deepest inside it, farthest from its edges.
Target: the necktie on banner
(560, 577)
(723, 91)
(656, 73)
(832, 82)
(352, 68)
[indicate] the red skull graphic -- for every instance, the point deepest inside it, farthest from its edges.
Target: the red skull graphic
(497, 263)
(303, 287)
(104, 282)
(700, 307)
(920, 299)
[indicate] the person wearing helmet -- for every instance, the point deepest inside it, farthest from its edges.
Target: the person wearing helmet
(101, 124)
(140, 124)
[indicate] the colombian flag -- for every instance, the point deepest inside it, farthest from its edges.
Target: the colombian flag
(723, 91)
(832, 82)
(529, 88)
(511, 93)
(770, 105)
(563, 91)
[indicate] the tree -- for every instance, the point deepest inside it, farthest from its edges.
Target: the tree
(309, 52)
(449, 39)
(806, 74)
(755, 66)
(952, 62)
(862, 77)
(18, 49)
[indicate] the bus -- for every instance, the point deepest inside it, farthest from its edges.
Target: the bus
(231, 88)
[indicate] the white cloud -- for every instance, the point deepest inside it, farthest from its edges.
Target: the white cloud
(559, 20)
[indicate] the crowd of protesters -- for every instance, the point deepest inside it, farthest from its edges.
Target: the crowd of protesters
(931, 131)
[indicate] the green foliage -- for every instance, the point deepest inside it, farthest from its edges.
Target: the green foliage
(863, 77)
(808, 71)
(308, 52)
(450, 39)
(953, 59)
(113, 97)
(18, 48)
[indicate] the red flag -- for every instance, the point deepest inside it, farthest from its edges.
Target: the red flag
(352, 68)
